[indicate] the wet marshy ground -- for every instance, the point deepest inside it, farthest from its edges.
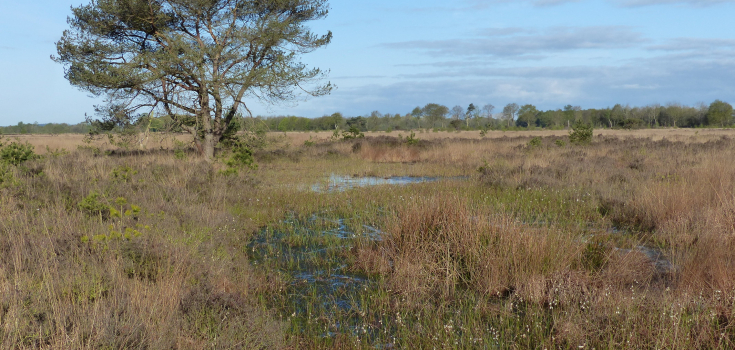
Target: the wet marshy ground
(324, 296)
(328, 299)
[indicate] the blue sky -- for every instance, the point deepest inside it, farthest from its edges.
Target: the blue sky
(394, 55)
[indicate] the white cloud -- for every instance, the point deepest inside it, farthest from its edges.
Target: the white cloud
(636, 87)
(686, 78)
(695, 44)
(512, 42)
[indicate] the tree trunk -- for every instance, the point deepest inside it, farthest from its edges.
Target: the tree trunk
(208, 151)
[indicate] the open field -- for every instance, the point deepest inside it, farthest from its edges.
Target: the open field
(504, 242)
(655, 134)
(45, 142)
(72, 141)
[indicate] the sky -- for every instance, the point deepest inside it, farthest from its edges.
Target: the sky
(393, 55)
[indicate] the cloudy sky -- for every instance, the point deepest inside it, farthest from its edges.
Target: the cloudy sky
(393, 55)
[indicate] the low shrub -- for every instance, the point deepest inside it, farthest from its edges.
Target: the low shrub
(581, 134)
(17, 153)
(534, 142)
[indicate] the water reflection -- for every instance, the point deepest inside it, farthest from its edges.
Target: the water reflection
(339, 183)
(312, 253)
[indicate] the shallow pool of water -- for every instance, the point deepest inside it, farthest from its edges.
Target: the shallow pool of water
(311, 254)
(339, 183)
(656, 257)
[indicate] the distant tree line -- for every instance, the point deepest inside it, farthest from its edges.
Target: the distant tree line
(142, 123)
(436, 116)
(35, 128)
(513, 116)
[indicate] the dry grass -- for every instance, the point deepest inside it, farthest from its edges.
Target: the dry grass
(68, 282)
(441, 243)
(69, 142)
(673, 196)
(522, 255)
(298, 138)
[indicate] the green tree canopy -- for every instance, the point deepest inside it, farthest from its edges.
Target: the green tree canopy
(719, 114)
(194, 60)
(527, 116)
(434, 112)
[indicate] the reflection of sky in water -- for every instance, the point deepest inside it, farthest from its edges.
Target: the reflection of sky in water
(322, 282)
(339, 183)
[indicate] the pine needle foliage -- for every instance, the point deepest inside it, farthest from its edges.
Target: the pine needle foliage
(197, 61)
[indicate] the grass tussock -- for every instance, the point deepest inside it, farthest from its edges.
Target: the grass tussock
(442, 243)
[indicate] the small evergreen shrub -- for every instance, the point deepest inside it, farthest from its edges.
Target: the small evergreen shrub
(241, 156)
(411, 139)
(581, 134)
(352, 133)
(534, 142)
(92, 205)
(123, 173)
(180, 149)
(6, 175)
(17, 153)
